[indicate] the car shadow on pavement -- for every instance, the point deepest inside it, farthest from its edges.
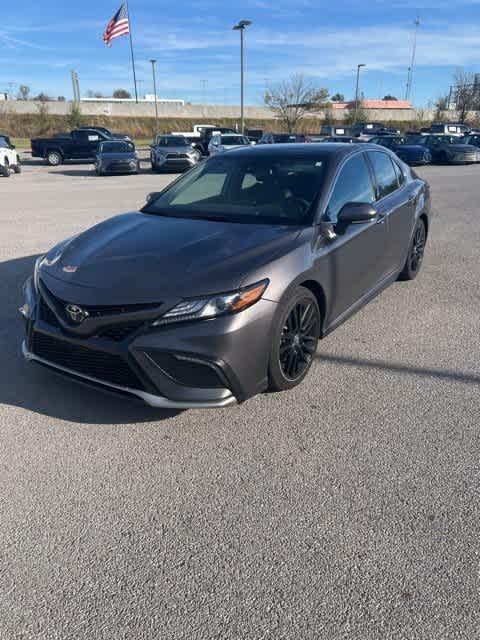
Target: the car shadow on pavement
(75, 173)
(454, 376)
(36, 389)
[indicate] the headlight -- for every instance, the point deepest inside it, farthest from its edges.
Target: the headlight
(214, 306)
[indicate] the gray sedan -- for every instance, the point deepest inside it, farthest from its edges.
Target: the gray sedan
(223, 284)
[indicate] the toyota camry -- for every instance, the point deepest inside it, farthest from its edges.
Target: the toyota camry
(221, 286)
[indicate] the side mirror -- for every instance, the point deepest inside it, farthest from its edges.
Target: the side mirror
(357, 212)
(12, 146)
(152, 196)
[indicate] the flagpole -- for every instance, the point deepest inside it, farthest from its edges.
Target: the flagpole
(131, 50)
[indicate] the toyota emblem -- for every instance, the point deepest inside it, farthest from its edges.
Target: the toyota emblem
(76, 314)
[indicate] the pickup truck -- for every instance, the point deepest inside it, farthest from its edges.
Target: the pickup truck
(80, 144)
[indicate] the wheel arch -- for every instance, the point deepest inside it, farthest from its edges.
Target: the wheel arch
(319, 293)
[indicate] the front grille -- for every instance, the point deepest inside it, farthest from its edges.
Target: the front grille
(103, 310)
(90, 362)
(120, 333)
(177, 156)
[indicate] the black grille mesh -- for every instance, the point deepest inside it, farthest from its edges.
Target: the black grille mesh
(91, 362)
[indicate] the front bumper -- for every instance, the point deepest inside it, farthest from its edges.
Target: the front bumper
(206, 364)
(180, 163)
(120, 167)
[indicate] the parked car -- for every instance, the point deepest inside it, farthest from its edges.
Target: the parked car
(447, 149)
(412, 154)
(472, 139)
(448, 128)
(371, 129)
(223, 284)
(254, 135)
(173, 153)
(334, 130)
(222, 142)
(80, 144)
(9, 158)
(202, 134)
(282, 138)
(116, 156)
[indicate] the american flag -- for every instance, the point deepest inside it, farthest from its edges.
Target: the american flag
(118, 26)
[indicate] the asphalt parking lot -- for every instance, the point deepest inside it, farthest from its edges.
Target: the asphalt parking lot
(347, 508)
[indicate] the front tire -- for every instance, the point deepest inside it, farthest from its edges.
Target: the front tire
(295, 340)
(416, 251)
(17, 168)
(54, 158)
(5, 169)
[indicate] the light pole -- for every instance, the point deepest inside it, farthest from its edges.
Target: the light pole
(241, 26)
(155, 89)
(412, 63)
(359, 66)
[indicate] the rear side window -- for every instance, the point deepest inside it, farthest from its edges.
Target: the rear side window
(385, 175)
(354, 184)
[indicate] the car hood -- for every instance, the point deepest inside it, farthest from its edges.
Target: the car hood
(140, 258)
(131, 155)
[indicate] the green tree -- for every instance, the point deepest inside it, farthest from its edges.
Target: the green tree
(338, 97)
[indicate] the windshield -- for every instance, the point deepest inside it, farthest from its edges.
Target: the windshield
(116, 147)
(234, 140)
(262, 189)
(171, 141)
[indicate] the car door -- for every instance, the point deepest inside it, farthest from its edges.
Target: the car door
(356, 256)
(86, 144)
(395, 200)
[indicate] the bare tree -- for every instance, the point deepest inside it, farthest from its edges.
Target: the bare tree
(122, 93)
(441, 105)
(23, 92)
(464, 93)
(293, 99)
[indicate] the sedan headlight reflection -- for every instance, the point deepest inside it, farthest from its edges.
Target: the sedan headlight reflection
(214, 306)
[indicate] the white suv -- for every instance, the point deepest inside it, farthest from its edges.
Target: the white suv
(222, 142)
(9, 158)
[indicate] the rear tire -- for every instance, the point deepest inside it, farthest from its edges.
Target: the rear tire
(295, 339)
(54, 158)
(416, 251)
(17, 168)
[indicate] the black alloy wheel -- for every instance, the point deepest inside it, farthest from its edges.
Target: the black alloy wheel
(415, 253)
(295, 341)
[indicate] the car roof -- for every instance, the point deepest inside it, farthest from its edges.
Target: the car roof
(335, 149)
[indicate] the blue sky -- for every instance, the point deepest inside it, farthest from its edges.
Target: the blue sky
(40, 42)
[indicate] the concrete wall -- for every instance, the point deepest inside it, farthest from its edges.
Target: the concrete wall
(204, 112)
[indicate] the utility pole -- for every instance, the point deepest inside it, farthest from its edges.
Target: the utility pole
(359, 66)
(412, 63)
(155, 87)
(241, 26)
(204, 92)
